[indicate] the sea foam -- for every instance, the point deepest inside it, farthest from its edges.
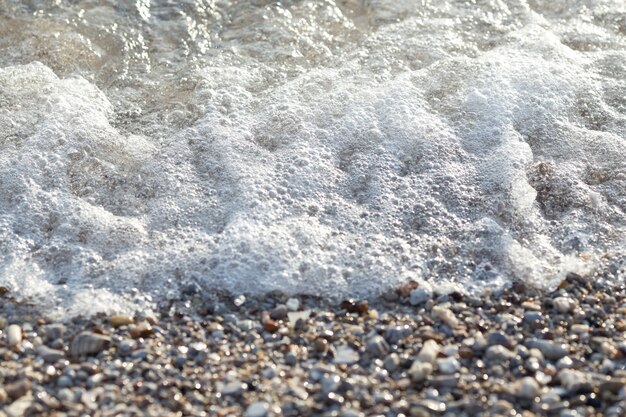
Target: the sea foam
(308, 147)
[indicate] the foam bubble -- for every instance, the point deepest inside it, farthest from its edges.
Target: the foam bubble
(309, 147)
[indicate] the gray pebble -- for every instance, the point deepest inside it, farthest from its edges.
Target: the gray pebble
(551, 350)
(377, 346)
(391, 362)
(257, 409)
(50, 355)
(419, 296)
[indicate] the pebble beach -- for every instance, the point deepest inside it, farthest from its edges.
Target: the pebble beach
(517, 351)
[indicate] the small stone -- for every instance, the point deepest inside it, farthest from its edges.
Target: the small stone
(564, 362)
(377, 346)
(431, 407)
(320, 345)
(50, 355)
(363, 307)
(234, 388)
(19, 407)
(141, 330)
(279, 313)
(17, 389)
(531, 306)
(498, 353)
(551, 350)
(87, 343)
(420, 371)
(54, 331)
(419, 296)
(579, 329)
(330, 383)
(346, 355)
(239, 300)
(291, 359)
(448, 365)
(293, 304)
(391, 362)
(64, 381)
(120, 320)
(429, 352)
(499, 338)
(14, 335)
(526, 388)
(257, 409)
(270, 326)
(564, 304)
(571, 379)
(445, 315)
(395, 334)
(351, 413)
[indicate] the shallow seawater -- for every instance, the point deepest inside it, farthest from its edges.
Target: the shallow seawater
(324, 147)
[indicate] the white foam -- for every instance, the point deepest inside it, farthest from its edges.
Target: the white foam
(310, 147)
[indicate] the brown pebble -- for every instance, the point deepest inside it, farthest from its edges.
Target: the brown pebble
(143, 329)
(349, 305)
(320, 345)
(362, 307)
(270, 326)
(17, 389)
(120, 320)
(4, 290)
(405, 289)
(466, 352)
(430, 335)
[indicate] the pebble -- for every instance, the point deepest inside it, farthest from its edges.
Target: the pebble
(88, 343)
(50, 355)
(346, 355)
(14, 335)
(448, 365)
(551, 350)
(526, 388)
(391, 362)
(419, 296)
(420, 370)
(141, 330)
(64, 381)
(121, 320)
(54, 331)
(564, 304)
(499, 338)
(279, 312)
(19, 407)
(429, 352)
(445, 315)
(234, 388)
(293, 304)
(257, 409)
(377, 346)
(395, 334)
(17, 389)
(498, 353)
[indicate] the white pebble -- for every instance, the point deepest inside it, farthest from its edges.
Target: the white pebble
(14, 335)
(445, 315)
(564, 304)
(419, 371)
(429, 352)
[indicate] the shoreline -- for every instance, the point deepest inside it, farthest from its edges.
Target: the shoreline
(515, 351)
